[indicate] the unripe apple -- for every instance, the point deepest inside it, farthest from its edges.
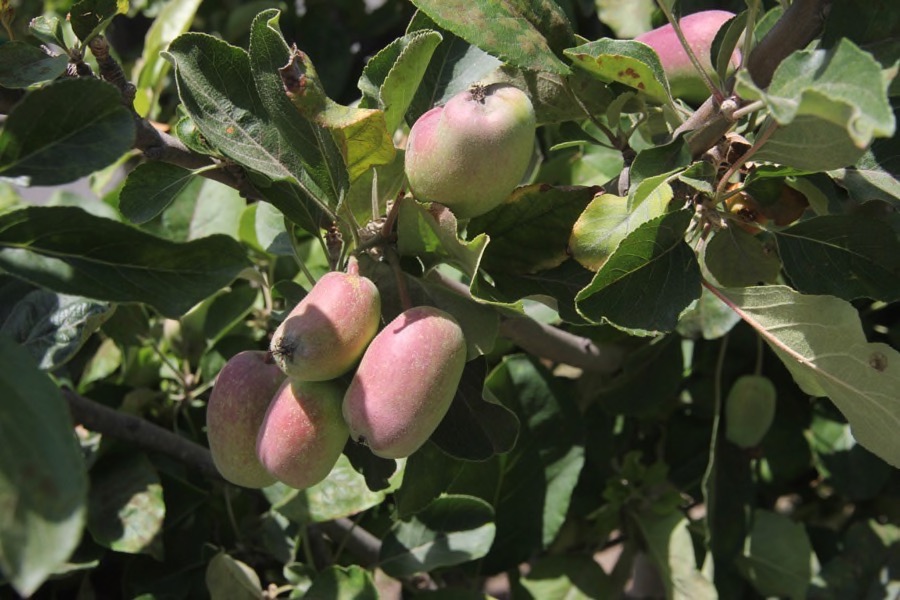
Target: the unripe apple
(327, 332)
(749, 410)
(303, 433)
(405, 382)
(234, 413)
(699, 30)
(472, 152)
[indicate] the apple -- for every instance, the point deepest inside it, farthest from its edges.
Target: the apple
(471, 153)
(405, 382)
(699, 30)
(234, 414)
(327, 332)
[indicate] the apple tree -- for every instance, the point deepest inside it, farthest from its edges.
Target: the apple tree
(445, 299)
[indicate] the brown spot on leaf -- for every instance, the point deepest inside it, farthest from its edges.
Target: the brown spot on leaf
(229, 130)
(641, 85)
(632, 73)
(878, 361)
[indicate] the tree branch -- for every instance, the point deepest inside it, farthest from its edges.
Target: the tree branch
(801, 23)
(142, 433)
(548, 342)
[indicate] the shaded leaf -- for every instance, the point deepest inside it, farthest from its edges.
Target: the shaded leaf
(390, 79)
(844, 256)
(90, 17)
(454, 66)
(477, 426)
(428, 474)
(43, 486)
(343, 493)
(533, 489)
(431, 234)
(342, 583)
(648, 281)
(821, 341)
(628, 62)
(779, 556)
(71, 252)
(53, 327)
(530, 231)
(125, 507)
(810, 144)
(572, 577)
(230, 579)
(869, 549)
(671, 548)
(451, 530)
(150, 188)
(737, 258)
(23, 65)
(48, 139)
(500, 29)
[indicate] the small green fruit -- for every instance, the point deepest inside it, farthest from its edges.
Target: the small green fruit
(749, 410)
(303, 433)
(699, 30)
(405, 382)
(327, 332)
(234, 413)
(471, 153)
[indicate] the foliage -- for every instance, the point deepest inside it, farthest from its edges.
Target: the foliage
(657, 255)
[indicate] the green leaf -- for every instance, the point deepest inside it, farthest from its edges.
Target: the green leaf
(626, 18)
(737, 258)
(811, 144)
(709, 318)
(217, 90)
(778, 556)
(218, 210)
(454, 66)
(71, 252)
(361, 134)
(670, 546)
(848, 467)
(502, 29)
(49, 139)
(628, 62)
(90, 17)
(477, 426)
(230, 579)
(126, 508)
(43, 485)
(608, 220)
(23, 65)
(343, 493)
(555, 287)
(428, 474)
(390, 79)
(821, 341)
(532, 492)
(451, 530)
(725, 43)
(865, 184)
(569, 577)
(648, 281)
(48, 29)
(342, 583)
(868, 549)
(659, 160)
(431, 235)
(150, 188)
(173, 19)
(532, 213)
(53, 327)
(843, 86)
(844, 256)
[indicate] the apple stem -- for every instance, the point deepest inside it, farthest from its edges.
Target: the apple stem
(402, 289)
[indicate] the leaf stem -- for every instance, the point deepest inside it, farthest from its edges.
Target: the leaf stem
(765, 134)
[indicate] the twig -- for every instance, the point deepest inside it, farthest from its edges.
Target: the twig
(129, 428)
(546, 341)
(358, 541)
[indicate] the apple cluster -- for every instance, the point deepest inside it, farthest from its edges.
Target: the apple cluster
(286, 415)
